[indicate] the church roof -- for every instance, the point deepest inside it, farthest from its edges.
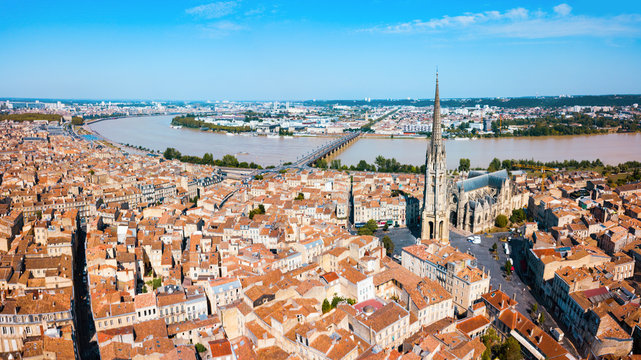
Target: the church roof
(479, 180)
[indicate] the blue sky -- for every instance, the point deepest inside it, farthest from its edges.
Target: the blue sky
(307, 49)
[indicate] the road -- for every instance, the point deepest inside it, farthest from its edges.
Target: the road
(85, 330)
(513, 284)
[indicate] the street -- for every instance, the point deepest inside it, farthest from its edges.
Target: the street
(511, 285)
(85, 330)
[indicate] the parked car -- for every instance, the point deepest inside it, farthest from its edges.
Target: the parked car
(506, 247)
(474, 239)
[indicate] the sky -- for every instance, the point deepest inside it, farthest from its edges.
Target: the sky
(309, 49)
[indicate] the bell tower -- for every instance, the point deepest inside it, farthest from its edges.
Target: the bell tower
(434, 218)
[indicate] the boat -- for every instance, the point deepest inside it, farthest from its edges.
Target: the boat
(230, 134)
(175, 126)
(273, 136)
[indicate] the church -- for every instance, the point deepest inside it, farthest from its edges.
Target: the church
(471, 204)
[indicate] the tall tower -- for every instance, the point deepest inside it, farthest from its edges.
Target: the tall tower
(434, 221)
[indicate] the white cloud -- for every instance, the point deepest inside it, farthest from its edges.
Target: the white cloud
(213, 10)
(221, 28)
(563, 9)
(521, 23)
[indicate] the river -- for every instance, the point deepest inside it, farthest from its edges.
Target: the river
(610, 148)
(154, 132)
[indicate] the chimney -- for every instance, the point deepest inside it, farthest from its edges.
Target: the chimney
(499, 287)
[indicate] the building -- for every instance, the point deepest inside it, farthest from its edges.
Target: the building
(434, 222)
(476, 201)
(453, 270)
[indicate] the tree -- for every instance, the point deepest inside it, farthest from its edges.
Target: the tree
(494, 247)
(464, 164)
(260, 210)
(172, 153)
(388, 244)
(77, 120)
(300, 196)
(364, 230)
(200, 348)
(326, 306)
(508, 268)
(208, 159)
(518, 215)
(490, 340)
(156, 283)
(372, 225)
(535, 308)
(501, 221)
(510, 350)
(495, 165)
(258, 177)
(541, 319)
(230, 161)
(322, 164)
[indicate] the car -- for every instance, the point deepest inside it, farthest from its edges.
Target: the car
(474, 239)
(506, 247)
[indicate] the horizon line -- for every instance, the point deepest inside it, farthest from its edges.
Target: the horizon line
(311, 100)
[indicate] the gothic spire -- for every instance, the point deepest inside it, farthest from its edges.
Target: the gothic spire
(436, 124)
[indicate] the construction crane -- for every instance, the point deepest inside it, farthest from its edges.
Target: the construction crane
(543, 169)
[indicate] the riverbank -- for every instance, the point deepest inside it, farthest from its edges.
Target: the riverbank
(611, 149)
(154, 132)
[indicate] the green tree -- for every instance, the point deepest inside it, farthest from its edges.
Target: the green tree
(518, 215)
(77, 120)
(300, 196)
(535, 308)
(322, 164)
(372, 225)
(172, 153)
(510, 350)
(494, 247)
(335, 301)
(326, 306)
(495, 165)
(258, 177)
(230, 161)
(364, 230)
(388, 244)
(508, 268)
(464, 164)
(501, 221)
(200, 348)
(156, 283)
(541, 318)
(260, 210)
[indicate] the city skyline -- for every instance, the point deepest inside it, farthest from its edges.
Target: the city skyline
(244, 50)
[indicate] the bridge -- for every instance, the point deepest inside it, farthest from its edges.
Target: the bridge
(327, 150)
(323, 152)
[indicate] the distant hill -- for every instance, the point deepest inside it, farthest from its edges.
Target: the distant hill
(550, 101)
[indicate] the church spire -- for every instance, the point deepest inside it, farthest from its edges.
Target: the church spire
(436, 123)
(435, 216)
